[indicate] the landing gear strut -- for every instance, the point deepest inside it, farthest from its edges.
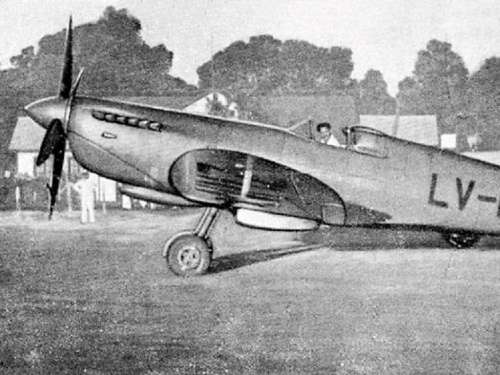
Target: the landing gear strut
(461, 240)
(189, 253)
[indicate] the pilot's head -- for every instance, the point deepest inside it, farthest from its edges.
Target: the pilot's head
(324, 130)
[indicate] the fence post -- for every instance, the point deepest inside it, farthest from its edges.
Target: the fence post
(18, 198)
(68, 194)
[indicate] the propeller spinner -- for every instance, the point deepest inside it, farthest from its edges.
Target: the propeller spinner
(54, 115)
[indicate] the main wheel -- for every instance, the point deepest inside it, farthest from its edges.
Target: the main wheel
(188, 255)
(461, 240)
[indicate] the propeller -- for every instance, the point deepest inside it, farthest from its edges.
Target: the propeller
(54, 141)
(67, 70)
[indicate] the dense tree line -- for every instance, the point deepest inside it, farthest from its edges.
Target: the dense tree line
(117, 61)
(266, 65)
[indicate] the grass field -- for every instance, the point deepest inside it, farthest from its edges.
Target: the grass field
(98, 299)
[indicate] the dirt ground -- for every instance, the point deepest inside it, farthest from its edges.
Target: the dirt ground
(98, 299)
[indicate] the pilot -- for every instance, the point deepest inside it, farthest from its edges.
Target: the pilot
(86, 187)
(325, 134)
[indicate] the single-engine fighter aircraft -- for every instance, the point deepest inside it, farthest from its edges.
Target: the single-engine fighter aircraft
(266, 176)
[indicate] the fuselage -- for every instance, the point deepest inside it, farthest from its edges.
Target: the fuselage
(413, 184)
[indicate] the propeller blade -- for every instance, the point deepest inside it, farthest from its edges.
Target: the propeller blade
(54, 143)
(53, 137)
(67, 71)
(56, 173)
(69, 101)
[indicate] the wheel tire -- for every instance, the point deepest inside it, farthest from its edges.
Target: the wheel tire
(188, 255)
(461, 240)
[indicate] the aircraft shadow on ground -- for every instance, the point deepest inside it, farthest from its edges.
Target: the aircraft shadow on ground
(233, 261)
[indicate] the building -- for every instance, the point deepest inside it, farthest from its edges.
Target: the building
(419, 129)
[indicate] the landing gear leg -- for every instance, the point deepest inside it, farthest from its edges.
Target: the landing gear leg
(189, 253)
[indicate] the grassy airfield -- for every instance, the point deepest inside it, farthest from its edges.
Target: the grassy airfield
(98, 299)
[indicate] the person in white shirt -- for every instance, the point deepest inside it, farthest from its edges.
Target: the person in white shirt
(324, 130)
(87, 188)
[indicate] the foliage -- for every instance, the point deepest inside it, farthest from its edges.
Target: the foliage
(437, 87)
(373, 96)
(484, 103)
(467, 106)
(216, 107)
(116, 60)
(33, 193)
(268, 65)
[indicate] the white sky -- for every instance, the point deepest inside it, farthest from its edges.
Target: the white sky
(383, 34)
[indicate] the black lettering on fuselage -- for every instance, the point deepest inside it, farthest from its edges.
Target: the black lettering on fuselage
(486, 198)
(432, 200)
(464, 198)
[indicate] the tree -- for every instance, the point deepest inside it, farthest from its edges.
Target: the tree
(268, 65)
(373, 96)
(484, 103)
(242, 66)
(437, 87)
(25, 59)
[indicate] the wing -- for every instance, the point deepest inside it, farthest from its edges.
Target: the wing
(262, 193)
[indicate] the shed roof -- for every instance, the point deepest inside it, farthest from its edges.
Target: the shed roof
(419, 129)
(28, 135)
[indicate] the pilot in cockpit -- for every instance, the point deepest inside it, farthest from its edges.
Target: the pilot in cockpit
(324, 130)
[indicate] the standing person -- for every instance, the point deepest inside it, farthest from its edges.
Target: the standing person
(325, 134)
(87, 188)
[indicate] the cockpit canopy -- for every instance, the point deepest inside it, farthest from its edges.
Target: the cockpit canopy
(366, 141)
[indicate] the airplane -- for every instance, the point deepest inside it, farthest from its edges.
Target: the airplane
(268, 177)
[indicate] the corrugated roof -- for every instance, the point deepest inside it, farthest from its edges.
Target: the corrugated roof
(419, 129)
(28, 135)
